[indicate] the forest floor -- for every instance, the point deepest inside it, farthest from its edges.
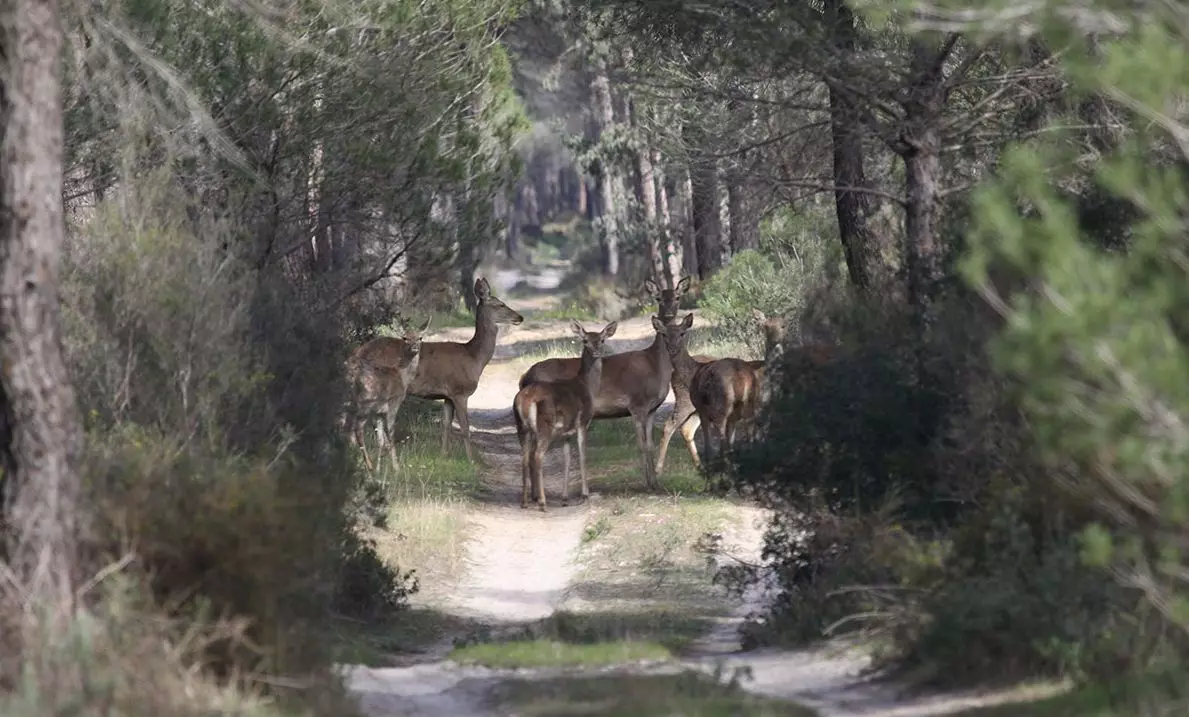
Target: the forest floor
(602, 607)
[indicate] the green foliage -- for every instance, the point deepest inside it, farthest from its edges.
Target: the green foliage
(1097, 344)
(796, 257)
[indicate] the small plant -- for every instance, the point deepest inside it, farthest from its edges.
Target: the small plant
(598, 529)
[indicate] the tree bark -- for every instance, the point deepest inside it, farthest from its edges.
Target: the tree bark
(745, 221)
(611, 194)
(670, 247)
(861, 245)
(920, 148)
(40, 430)
(648, 204)
(705, 208)
(689, 247)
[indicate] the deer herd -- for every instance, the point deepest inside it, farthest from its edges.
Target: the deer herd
(559, 397)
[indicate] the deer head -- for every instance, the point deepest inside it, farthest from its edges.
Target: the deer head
(594, 341)
(667, 300)
(412, 342)
(498, 311)
(675, 336)
(775, 330)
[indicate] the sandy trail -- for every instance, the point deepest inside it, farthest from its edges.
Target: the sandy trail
(520, 563)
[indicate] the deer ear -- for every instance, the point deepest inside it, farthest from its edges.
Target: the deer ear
(683, 285)
(577, 328)
(609, 329)
(482, 288)
(658, 325)
(651, 287)
(688, 322)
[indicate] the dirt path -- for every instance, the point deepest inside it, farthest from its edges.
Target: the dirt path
(520, 563)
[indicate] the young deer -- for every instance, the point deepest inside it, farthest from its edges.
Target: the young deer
(377, 392)
(450, 371)
(562, 408)
(724, 392)
(635, 383)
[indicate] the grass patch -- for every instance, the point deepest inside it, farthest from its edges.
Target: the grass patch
(688, 694)
(644, 574)
(382, 644)
(615, 460)
(552, 653)
(1157, 695)
(428, 501)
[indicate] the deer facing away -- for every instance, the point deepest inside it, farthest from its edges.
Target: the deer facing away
(377, 392)
(634, 383)
(562, 408)
(449, 371)
(724, 392)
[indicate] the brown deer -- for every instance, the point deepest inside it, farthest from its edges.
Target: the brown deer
(724, 392)
(635, 383)
(562, 408)
(684, 418)
(377, 392)
(450, 371)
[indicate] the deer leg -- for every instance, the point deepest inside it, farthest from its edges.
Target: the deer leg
(565, 472)
(526, 467)
(389, 432)
(447, 419)
(689, 431)
(464, 422)
(649, 446)
(581, 438)
(683, 411)
(542, 444)
(358, 440)
(642, 446)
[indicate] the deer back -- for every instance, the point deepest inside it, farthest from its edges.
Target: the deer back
(724, 388)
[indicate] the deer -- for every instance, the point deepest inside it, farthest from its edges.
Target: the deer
(449, 371)
(724, 392)
(562, 408)
(634, 383)
(377, 392)
(684, 418)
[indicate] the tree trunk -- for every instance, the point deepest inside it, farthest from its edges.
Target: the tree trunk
(611, 194)
(582, 206)
(670, 247)
(705, 210)
(854, 206)
(648, 203)
(689, 246)
(40, 430)
(745, 221)
(920, 148)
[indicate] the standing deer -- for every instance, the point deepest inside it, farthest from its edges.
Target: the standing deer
(450, 371)
(685, 418)
(377, 392)
(635, 383)
(724, 392)
(562, 408)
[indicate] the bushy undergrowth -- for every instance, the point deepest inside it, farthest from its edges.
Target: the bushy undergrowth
(796, 255)
(911, 507)
(214, 453)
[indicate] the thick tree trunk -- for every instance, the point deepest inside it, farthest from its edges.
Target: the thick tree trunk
(861, 244)
(40, 431)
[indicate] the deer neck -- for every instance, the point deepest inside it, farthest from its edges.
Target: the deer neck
(482, 344)
(684, 366)
(590, 370)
